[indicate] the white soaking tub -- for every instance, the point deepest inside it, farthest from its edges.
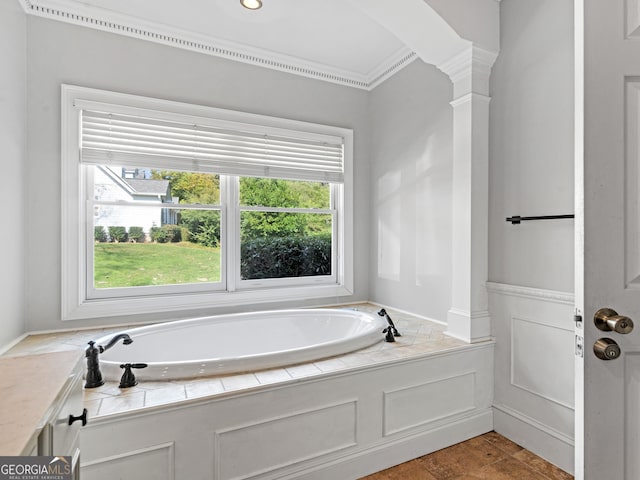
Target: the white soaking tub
(240, 342)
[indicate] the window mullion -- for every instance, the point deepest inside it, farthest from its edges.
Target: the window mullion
(337, 243)
(231, 249)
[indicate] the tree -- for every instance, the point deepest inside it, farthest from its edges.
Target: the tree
(194, 188)
(272, 192)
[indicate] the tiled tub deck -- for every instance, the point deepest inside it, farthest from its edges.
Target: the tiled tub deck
(418, 338)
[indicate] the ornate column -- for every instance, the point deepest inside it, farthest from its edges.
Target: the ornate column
(468, 318)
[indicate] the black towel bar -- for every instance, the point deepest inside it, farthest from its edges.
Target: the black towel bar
(516, 219)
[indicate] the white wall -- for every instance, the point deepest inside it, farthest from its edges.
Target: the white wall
(62, 53)
(13, 131)
(531, 265)
(531, 145)
(411, 182)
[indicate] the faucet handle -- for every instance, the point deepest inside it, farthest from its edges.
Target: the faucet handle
(383, 313)
(128, 378)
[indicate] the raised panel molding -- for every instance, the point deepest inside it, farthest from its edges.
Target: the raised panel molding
(327, 426)
(534, 369)
(241, 452)
(155, 462)
(536, 350)
(415, 406)
(632, 12)
(632, 179)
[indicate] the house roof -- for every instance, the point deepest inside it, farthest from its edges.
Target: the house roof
(148, 187)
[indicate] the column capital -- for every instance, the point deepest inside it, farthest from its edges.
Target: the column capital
(470, 70)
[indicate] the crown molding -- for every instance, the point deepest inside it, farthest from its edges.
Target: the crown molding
(390, 67)
(100, 19)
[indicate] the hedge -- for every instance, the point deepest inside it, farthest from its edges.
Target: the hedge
(137, 234)
(118, 234)
(100, 234)
(285, 257)
(166, 234)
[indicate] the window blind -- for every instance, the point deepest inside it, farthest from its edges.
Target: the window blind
(223, 147)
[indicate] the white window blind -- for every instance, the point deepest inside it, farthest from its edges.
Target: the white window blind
(173, 141)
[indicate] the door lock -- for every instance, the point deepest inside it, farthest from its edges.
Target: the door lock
(608, 320)
(606, 349)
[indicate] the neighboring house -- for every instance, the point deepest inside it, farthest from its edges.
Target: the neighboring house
(113, 184)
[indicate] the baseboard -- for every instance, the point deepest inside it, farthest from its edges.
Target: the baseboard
(540, 439)
(5, 348)
(395, 451)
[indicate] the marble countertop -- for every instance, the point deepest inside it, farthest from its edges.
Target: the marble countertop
(29, 387)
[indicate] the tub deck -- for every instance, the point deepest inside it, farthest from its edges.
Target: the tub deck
(419, 338)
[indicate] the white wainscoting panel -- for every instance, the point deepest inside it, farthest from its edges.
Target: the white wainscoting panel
(417, 405)
(536, 350)
(534, 369)
(156, 462)
(323, 427)
(300, 436)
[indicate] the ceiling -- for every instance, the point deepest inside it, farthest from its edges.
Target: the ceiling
(331, 40)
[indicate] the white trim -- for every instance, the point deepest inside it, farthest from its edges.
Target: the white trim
(539, 438)
(512, 360)
(8, 346)
(469, 61)
(169, 446)
(470, 327)
(108, 21)
(546, 429)
(390, 67)
(469, 98)
(564, 298)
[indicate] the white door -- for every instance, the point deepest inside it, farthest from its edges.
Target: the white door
(608, 255)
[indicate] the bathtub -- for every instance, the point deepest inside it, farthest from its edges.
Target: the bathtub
(241, 342)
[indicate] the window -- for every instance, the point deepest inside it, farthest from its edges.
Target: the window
(170, 206)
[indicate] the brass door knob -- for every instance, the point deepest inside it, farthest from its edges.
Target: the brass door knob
(606, 349)
(608, 320)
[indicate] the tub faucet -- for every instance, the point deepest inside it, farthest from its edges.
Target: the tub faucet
(94, 376)
(391, 331)
(126, 341)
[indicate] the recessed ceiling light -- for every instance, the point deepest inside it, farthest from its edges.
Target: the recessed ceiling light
(251, 4)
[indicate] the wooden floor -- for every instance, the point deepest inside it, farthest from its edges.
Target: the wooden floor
(489, 457)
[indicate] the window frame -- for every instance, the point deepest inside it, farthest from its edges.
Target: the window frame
(77, 303)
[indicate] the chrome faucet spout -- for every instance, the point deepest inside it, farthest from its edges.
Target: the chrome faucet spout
(126, 340)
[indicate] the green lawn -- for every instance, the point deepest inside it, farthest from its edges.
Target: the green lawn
(138, 264)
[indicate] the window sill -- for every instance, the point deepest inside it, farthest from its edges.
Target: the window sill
(185, 302)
